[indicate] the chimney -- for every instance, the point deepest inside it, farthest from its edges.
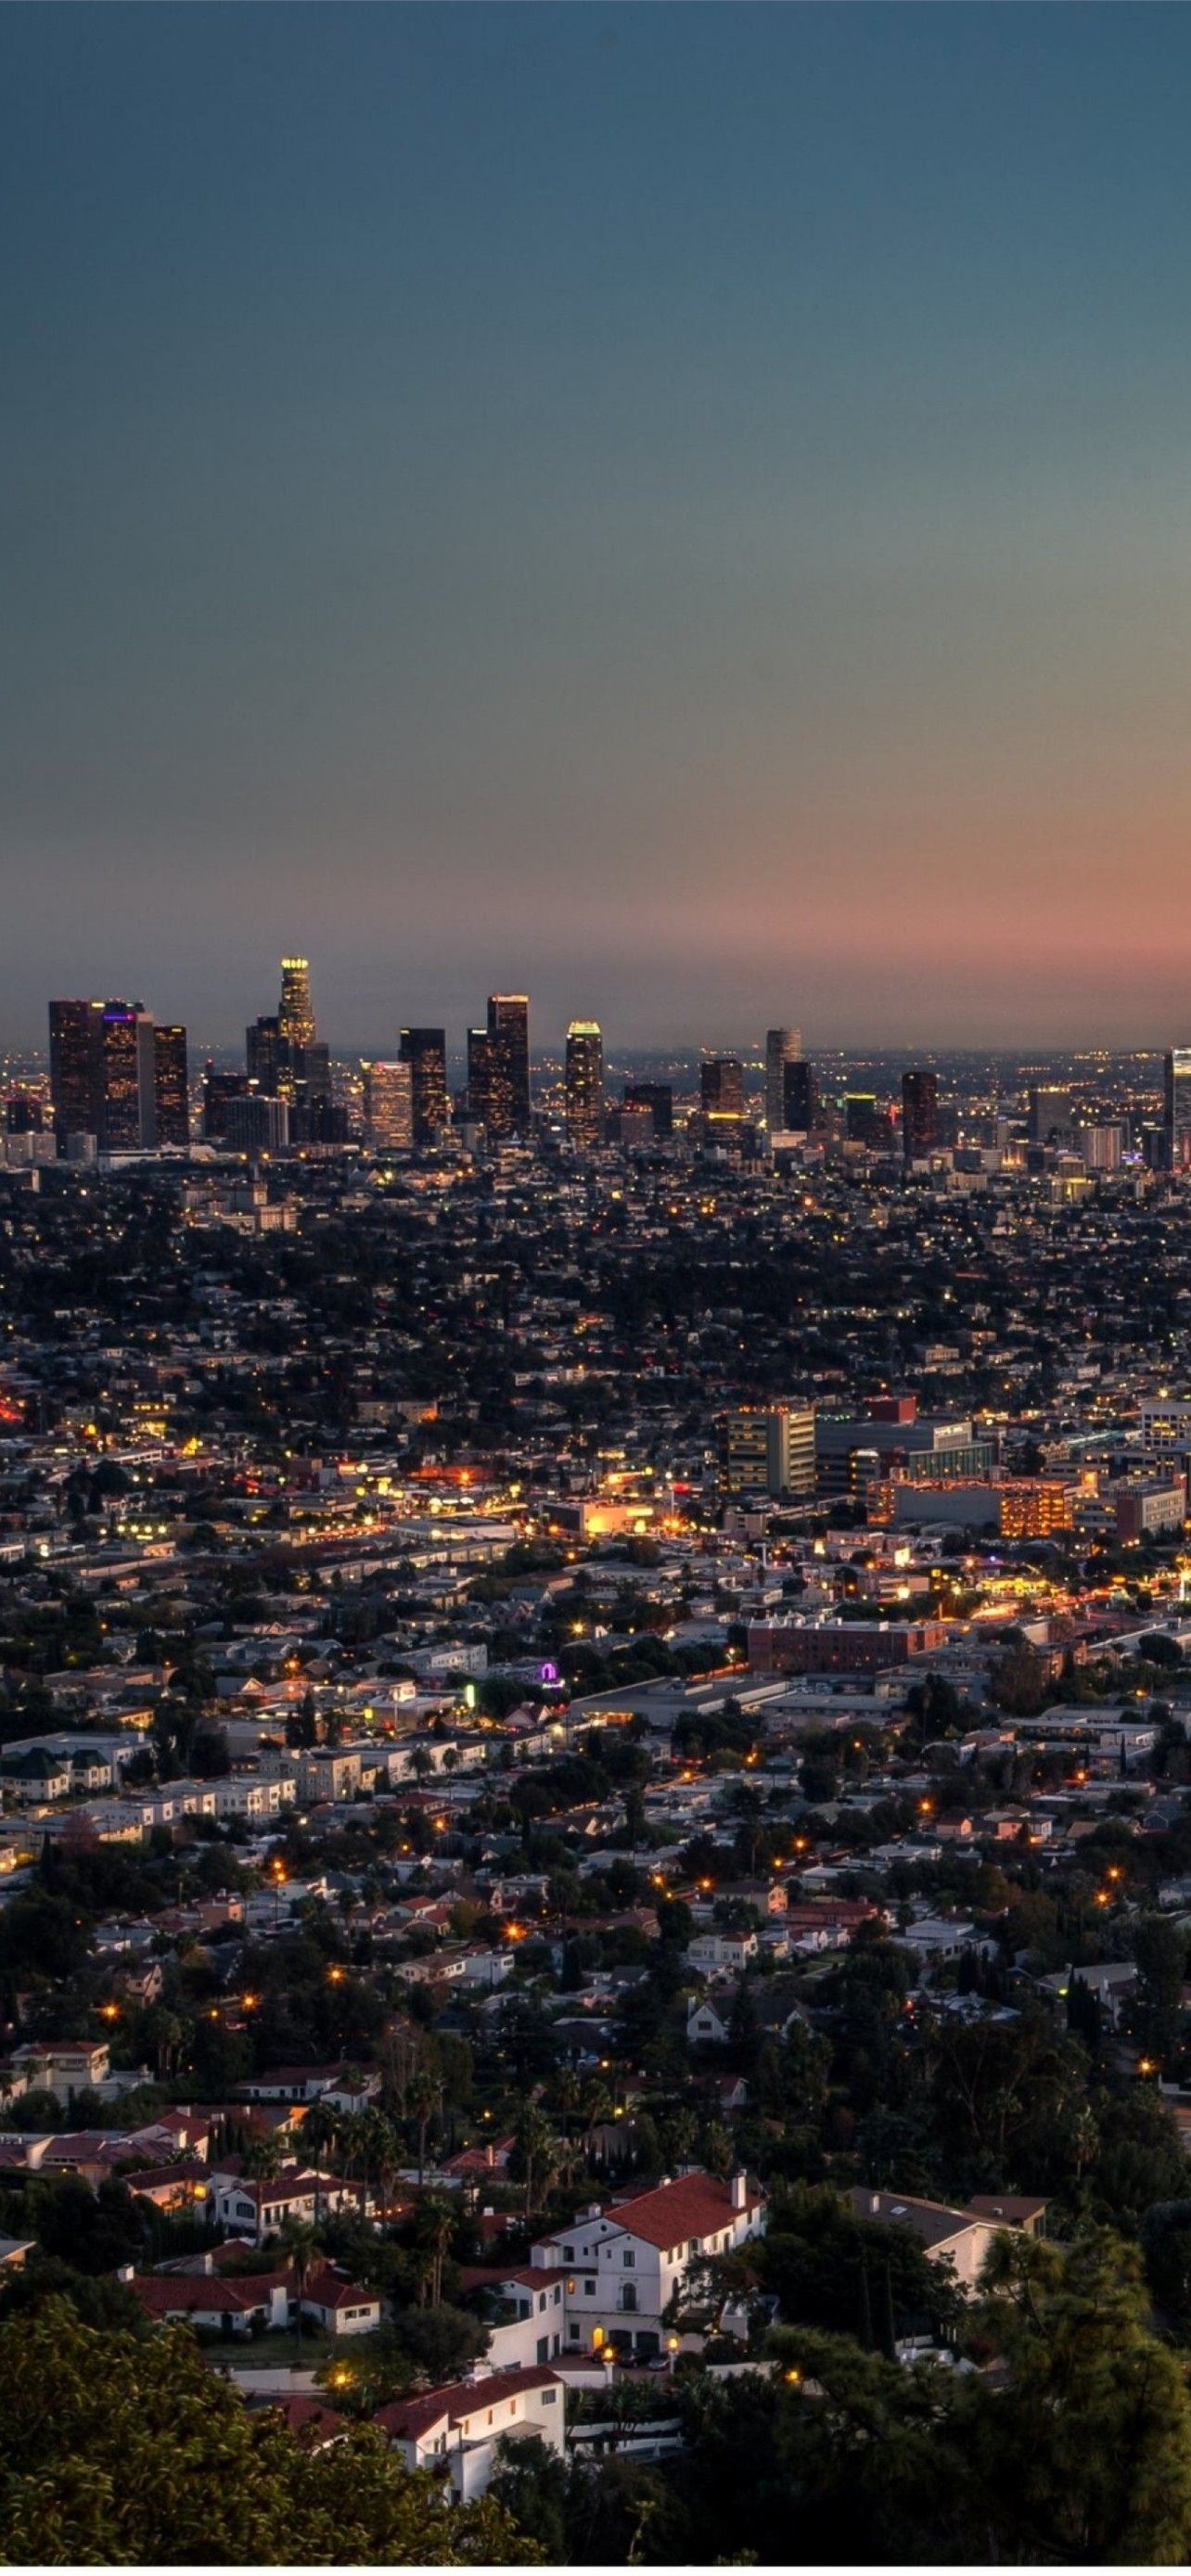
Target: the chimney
(739, 2188)
(874, 2203)
(125, 2272)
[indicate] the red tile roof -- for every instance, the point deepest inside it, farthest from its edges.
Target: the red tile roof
(697, 2206)
(199, 2293)
(408, 2418)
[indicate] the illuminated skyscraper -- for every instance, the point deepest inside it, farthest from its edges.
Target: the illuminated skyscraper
(128, 1119)
(389, 1107)
(585, 1085)
(171, 1086)
(76, 1068)
(920, 1115)
(782, 1047)
(1178, 1109)
(486, 1090)
(721, 1087)
(425, 1052)
(295, 1018)
(508, 1062)
(1048, 1106)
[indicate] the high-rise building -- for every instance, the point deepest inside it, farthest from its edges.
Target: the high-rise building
(768, 1449)
(585, 1085)
(1048, 1120)
(486, 1101)
(800, 1096)
(721, 1086)
(128, 1109)
(1177, 1104)
(76, 1068)
(171, 1085)
(389, 1107)
(257, 1125)
(657, 1098)
(425, 1052)
(865, 1123)
(263, 1051)
(287, 1061)
(782, 1047)
(508, 1032)
(24, 1114)
(920, 1115)
(295, 1017)
(219, 1091)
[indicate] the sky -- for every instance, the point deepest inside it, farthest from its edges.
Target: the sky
(683, 511)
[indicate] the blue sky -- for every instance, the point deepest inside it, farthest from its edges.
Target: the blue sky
(684, 509)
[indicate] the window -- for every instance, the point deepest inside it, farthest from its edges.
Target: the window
(557, 2297)
(629, 2261)
(541, 2301)
(568, 2253)
(589, 2289)
(628, 2296)
(548, 2396)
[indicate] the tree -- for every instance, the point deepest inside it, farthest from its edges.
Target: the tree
(261, 2160)
(1085, 2455)
(95, 2470)
(301, 2247)
(434, 2229)
(534, 2156)
(530, 2482)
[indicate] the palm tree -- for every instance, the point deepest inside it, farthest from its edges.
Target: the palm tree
(435, 2228)
(566, 2094)
(425, 2094)
(536, 2153)
(302, 2248)
(318, 2132)
(261, 2160)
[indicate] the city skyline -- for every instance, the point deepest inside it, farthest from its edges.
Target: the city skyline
(496, 493)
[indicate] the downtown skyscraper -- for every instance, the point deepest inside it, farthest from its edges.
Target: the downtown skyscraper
(584, 1086)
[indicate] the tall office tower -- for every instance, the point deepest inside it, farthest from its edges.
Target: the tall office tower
(658, 1098)
(508, 1032)
(721, 1087)
(219, 1091)
(171, 1086)
(865, 1123)
(76, 1069)
(264, 1048)
(257, 1125)
(24, 1114)
(129, 1109)
(425, 1052)
(585, 1085)
(800, 1097)
(768, 1449)
(1048, 1113)
(1178, 1109)
(920, 1115)
(485, 1099)
(782, 1047)
(295, 1018)
(389, 1107)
